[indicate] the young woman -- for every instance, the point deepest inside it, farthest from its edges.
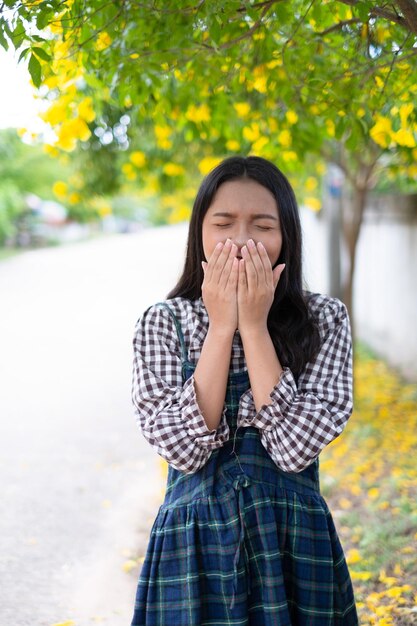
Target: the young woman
(240, 379)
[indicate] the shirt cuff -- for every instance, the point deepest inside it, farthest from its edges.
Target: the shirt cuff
(282, 396)
(195, 422)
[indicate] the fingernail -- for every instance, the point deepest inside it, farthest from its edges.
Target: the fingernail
(228, 243)
(219, 245)
(245, 250)
(251, 243)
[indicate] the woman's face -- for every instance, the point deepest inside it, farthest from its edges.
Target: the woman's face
(243, 209)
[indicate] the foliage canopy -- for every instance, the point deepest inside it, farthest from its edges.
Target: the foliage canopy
(188, 82)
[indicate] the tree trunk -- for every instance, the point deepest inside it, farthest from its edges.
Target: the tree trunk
(351, 230)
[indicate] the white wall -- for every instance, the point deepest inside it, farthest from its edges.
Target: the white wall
(385, 286)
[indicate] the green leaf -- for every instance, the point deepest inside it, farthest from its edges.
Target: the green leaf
(3, 41)
(35, 70)
(41, 53)
(43, 18)
(18, 35)
(23, 54)
(362, 9)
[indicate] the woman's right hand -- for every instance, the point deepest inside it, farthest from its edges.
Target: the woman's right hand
(219, 288)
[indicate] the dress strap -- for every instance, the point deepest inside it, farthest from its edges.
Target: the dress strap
(184, 356)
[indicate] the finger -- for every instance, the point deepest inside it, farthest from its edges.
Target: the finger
(204, 266)
(242, 280)
(225, 275)
(251, 274)
(234, 273)
(221, 261)
(263, 255)
(277, 273)
(213, 259)
(256, 260)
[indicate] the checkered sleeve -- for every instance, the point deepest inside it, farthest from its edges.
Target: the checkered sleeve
(166, 409)
(300, 422)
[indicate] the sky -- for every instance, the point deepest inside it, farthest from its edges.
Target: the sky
(18, 106)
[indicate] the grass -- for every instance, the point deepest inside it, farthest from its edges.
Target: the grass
(369, 479)
(6, 253)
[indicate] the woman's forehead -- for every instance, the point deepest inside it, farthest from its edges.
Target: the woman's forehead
(243, 195)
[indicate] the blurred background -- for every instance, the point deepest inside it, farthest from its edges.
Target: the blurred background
(110, 115)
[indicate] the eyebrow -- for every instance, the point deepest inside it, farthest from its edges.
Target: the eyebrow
(255, 216)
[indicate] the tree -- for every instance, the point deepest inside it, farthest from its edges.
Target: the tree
(300, 83)
(24, 169)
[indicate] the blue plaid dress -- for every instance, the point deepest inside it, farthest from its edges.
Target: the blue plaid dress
(241, 542)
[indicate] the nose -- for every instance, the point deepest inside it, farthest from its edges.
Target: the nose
(240, 238)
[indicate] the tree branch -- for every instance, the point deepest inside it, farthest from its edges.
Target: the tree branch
(382, 12)
(409, 10)
(338, 26)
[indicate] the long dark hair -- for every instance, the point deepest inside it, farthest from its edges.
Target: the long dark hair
(293, 330)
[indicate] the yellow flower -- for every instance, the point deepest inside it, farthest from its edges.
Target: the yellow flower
(129, 565)
(379, 82)
(381, 131)
(259, 144)
(405, 138)
(51, 150)
(172, 169)
(163, 133)
(311, 183)
(103, 41)
(70, 132)
(60, 189)
(56, 113)
(344, 503)
(373, 493)
(128, 171)
(251, 133)
(242, 109)
(104, 208)
(289, 156)
(353, 556)
(74, 198)
(360, 575)
(330, 128)
(233, 145)
(405, 110)
(138, 158)
(260, 84)
(180, 213)
(315, 205)
(292, 117)
(284, 138)
(207, 164)
(85, 110)
(198, 114)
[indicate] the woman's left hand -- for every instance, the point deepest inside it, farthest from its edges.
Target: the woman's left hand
(257, 282)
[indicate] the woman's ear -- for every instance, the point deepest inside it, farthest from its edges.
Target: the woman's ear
(204, 265)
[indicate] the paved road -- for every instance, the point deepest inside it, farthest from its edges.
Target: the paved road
(79, 485)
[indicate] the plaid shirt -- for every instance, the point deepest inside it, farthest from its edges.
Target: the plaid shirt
(298, 423)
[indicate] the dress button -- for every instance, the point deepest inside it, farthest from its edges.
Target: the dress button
(241, 481)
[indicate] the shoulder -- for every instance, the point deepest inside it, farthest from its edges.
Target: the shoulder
(327, 311)
(163, 316)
